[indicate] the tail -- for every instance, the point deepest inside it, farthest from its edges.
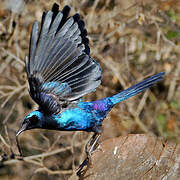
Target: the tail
(136, 89)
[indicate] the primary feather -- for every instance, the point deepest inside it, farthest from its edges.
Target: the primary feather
(59, 67)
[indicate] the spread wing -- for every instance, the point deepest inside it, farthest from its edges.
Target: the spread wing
(59, 67)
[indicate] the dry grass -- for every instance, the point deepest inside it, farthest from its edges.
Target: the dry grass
(131, 40)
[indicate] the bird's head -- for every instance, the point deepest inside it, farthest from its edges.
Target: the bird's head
(31, 121)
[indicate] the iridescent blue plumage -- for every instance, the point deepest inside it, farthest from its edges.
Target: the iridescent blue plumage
(60, 71)
(87, 116)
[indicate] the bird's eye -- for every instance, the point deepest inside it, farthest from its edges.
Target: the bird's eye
(25, 122)
(34, 119)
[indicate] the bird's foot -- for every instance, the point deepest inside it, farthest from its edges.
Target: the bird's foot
(80, 171)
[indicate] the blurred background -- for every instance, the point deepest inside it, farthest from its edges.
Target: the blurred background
(131, 40)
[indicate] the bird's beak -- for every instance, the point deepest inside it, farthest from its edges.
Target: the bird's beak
(23, 128)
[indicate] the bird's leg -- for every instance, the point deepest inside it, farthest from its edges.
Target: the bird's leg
(90, 147)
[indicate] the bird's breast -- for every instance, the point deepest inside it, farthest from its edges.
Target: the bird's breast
(74, 119)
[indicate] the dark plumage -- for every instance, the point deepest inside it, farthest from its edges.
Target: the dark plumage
(59, 67)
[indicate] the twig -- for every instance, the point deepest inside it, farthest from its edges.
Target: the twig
(126, 55)
(26, 159)
(11, 94)
(112, 65)
(13, 56)
(54, 172)
(163, 36)
(4, 142)
(54, 143)
(136, 113)
(173, 82)
(142, 103)
(72, 149)
(12, 108)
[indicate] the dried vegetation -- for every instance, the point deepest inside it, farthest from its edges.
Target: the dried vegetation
(131, 39)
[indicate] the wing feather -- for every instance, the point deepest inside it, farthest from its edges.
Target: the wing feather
(42, 38)
(33, 45)
(59, 67)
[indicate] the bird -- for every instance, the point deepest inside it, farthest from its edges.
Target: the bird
(60, 72)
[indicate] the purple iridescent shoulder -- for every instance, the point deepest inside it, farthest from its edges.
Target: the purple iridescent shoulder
(99, 105)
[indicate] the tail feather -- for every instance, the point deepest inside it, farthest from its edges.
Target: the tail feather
(136, 89)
